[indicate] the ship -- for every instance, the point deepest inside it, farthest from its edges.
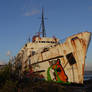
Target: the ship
(53, 60)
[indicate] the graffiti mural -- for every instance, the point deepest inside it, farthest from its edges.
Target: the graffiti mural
(56, 72)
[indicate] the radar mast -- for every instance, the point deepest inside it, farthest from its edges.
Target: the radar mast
(42, 24)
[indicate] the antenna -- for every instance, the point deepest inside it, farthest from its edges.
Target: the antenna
(43, 27)
(28, 39)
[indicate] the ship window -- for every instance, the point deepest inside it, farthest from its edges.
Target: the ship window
(53, 42)
(43, 41)
(45, 49)
(33, 53)
(48, 41)
(71, 58)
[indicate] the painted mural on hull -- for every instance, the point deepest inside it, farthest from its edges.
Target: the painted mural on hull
(58, 73)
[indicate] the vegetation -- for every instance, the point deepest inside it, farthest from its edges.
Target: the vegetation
(11, 81)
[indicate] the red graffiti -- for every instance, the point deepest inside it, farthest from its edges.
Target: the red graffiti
(60, 71)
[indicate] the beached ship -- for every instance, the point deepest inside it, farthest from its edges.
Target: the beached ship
(53, 60)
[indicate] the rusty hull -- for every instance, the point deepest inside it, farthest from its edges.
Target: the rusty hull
(71, 53)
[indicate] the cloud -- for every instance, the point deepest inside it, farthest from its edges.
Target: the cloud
(31, 13)
(30, 7)
(8, 53)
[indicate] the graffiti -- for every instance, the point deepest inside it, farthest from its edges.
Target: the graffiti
(56, 72)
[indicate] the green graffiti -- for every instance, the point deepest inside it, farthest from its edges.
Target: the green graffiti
(58, 79)
(48, 74)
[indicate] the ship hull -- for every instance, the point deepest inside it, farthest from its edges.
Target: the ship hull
(64, 62)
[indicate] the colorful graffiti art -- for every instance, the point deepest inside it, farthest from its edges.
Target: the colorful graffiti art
(56, 73)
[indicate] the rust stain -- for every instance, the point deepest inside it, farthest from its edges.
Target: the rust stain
(84, 46)
(82, 69)
(64, 51)
(73, 44)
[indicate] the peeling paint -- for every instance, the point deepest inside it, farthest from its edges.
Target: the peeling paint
(73, 66)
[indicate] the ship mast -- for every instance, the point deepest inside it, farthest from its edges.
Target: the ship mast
(42, 24)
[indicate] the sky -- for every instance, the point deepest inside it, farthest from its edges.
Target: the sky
(20, 19)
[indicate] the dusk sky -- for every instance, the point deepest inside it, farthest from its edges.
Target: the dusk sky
(20, 19)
